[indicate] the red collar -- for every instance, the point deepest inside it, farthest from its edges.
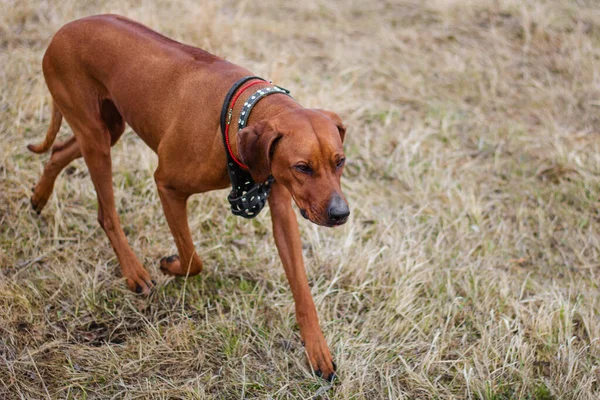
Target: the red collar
(228, 123)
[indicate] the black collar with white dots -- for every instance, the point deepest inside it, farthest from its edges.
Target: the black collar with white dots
(252, 100)
(247, 198)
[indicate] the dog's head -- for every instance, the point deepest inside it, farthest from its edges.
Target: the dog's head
(303, 151)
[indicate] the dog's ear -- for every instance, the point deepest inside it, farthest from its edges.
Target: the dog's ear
(337, 121)
(256, 144)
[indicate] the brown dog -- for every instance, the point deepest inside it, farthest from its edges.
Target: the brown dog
(106, 71)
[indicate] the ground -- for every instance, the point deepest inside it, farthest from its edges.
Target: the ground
(470, 264)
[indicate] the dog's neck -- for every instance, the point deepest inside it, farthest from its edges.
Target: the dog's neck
(266, 108)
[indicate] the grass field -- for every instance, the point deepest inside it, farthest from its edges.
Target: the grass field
(469, 267)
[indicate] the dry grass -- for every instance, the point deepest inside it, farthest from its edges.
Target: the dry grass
(470, 265)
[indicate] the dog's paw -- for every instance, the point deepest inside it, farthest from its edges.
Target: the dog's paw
(139, 280)
(172, 266)
(328, 377)
(169, 264)
(320, 358)
(38, 202)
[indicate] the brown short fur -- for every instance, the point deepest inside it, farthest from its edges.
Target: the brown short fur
(105, 71)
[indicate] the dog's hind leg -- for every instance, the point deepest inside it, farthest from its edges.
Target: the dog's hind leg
(65, 152)
(62, 154)
(95, 139)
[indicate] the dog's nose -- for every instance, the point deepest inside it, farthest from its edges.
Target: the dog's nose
(337, 210)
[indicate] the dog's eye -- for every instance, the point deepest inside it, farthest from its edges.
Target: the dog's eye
(304, 168)
(340, 162)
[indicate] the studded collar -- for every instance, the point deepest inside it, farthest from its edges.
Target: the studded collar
(247, 198)
(252, 100)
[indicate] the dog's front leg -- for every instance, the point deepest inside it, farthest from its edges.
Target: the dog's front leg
(287, 239)
(174, 203)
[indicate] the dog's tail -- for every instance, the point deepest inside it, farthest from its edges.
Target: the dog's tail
(50, 134)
